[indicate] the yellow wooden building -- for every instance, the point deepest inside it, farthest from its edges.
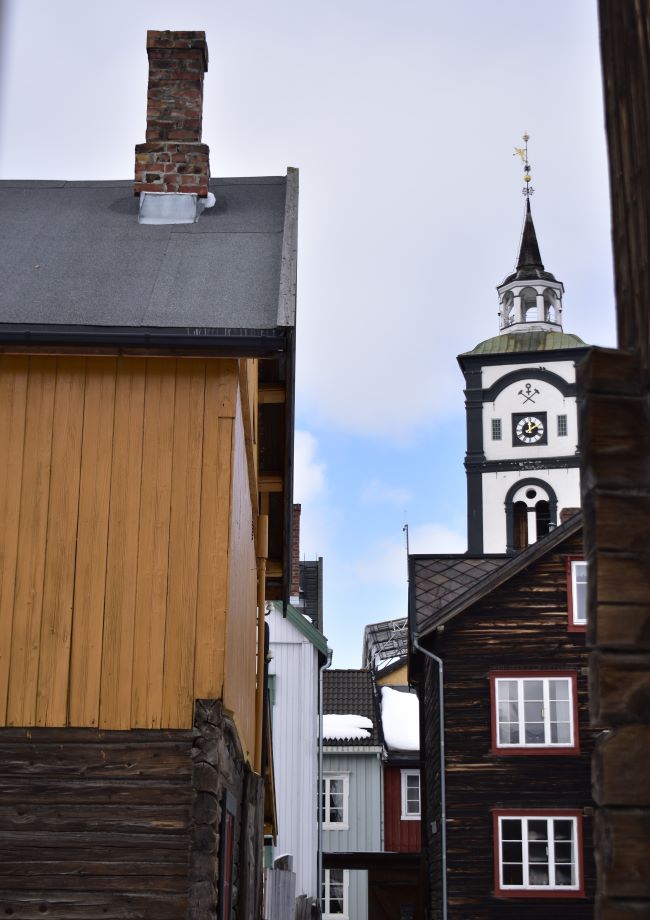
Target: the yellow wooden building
(146, 434)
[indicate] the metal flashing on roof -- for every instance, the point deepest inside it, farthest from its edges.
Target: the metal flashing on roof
(172, 207)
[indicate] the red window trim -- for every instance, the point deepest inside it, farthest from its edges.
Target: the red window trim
(572, 627)
(533, 751)
(532, 813)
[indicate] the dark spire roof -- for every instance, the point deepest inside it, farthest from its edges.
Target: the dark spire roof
(529, 264)
(529, 257)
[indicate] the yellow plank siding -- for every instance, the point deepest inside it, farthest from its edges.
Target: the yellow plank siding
(28, 597)
(241, 625)
(13, 394)
(397, 678)
(58, 586)
(92, 537)
(178, 676)
(122, 554)
(153, 545)
(214, 535)
(125, 541)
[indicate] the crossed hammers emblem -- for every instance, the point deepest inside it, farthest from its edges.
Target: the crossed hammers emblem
(528, 393)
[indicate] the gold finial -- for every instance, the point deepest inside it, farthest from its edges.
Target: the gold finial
(522, 153)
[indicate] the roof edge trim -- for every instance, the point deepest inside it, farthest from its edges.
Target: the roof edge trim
(289, 264)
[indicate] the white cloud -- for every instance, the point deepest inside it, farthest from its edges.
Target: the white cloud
(385, 561)
(379, 493)
(309, 470)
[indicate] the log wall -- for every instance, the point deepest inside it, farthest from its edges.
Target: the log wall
(522, 625)
(615, 421)
(125, 824)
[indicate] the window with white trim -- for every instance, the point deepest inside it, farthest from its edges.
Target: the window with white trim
(335, 800)
(335, 893)
(410, 783)
(496, 429)
(562, 428)
(538, 853)
(578, 593)
(534, 712)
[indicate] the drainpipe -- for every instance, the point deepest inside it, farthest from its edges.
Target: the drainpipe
(443, 797)
(261, 551)
(319, 800)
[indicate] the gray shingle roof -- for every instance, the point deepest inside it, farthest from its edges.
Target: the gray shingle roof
(439, 581)
(74, 254)
(351, 691)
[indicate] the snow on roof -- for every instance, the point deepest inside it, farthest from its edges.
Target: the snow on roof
(345, 727)
(400, 719)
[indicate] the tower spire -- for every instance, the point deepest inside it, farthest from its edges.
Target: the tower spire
(530, 298)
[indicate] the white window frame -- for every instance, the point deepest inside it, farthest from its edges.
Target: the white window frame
(550, 840)
(576, 565)
(406, 814)
(497, 429)
(325, 901)
(325, 792)
(562, 423)
(522, 744)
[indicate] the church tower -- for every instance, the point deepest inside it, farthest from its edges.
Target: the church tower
(522, 457)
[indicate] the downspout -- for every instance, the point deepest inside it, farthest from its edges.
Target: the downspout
(261, 551)
(319, 800)
(443, 796)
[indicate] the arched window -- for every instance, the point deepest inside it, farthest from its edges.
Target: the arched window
(550, 306)
(529, 304)
(531, 512)
(508, 309)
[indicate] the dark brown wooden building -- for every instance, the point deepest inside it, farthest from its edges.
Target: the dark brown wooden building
(497, 652)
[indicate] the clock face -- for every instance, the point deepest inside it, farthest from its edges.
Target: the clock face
(529, 429)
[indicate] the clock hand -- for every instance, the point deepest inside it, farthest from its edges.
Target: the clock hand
(531, 428)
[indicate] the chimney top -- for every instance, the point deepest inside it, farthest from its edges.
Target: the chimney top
(173, 159)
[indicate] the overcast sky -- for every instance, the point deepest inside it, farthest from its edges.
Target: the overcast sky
(402, 118)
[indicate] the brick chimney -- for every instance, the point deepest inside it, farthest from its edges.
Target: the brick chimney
(295, 551)
(173, 159)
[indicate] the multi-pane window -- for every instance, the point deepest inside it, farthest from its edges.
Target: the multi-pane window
(537, 852)
(410, 780)
(534, 712)
(496, 429)
(335, 800)
(562, 429)
(577, 593)
(335, 893)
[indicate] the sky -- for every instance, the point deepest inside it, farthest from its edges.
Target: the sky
(402, 118)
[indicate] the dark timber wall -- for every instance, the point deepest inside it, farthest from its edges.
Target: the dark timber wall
(521, 626)
(124, 824)
(400, 836)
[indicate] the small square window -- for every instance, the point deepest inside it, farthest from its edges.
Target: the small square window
(562, 429)
(335, 801)
(538, 852)
(496, 429)
(577, 594)
(533, 712)
(335, 893)
(410, 782)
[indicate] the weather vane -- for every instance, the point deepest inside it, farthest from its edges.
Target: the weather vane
(522, 152)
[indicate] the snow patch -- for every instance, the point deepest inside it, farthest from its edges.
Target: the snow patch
(346, 727)
(400, 719)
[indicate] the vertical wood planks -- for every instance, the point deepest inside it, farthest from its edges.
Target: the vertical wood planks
(153, 547)
(28, 597)
(13, 395)
(58, 586)
(178, 678)
(122, 554)
(220, 390)
(92, 536)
